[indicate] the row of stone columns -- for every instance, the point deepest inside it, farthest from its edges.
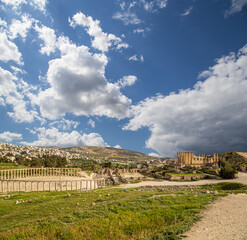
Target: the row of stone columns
(27, 186)
(34, 172)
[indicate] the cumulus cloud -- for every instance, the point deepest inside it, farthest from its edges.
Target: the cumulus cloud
(154, 154)
(37, 4)
(9, 136)
(20, 28)
(12, 93)
(127, 81)
(78, 85)
(101, 40)
(9, 51)
(236, 6)
(210, 117)
(7, 84)
(118, 146)
(14, 3)
(127, 18)
(49, 37)
(65, 124)
(53, 137)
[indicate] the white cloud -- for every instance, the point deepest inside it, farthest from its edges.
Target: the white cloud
(6, 82)
(91, 123)
(187, 12)
(135, 58)
(236, 6)
(20, 113)
(127, 18)
(49, 37)
(122, 5)
(101, 40)
(14, 3)
(65, 124)
(9, 137)
(141, 58)
(37, 4)
(9, 51)
(211, 117)
(12, 91)
(3, 23)
(53, 137)
(141, 30)
(152, 6)
(78, 85)
(127, 81)
(118, 146)
(154, 154)
(21, 28)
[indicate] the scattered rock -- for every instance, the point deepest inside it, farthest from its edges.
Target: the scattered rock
(93, 204)
(78, 204)
(17, 202)
(68, 195)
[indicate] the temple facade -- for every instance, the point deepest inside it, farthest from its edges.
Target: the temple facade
(190, 159)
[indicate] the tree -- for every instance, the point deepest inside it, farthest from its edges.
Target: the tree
(227, 171)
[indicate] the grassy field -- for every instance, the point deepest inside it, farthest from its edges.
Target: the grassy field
(143, 213)
(4, 166)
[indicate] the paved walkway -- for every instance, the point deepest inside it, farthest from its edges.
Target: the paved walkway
(242, 178)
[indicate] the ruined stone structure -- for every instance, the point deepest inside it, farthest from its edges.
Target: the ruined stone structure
(37, 172)
(190, 159)
(17, 180)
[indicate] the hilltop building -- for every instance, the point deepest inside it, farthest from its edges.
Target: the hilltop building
(190, 159)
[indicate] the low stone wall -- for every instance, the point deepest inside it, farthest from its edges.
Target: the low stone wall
(56, 185)
(183, 177)
(37, 172)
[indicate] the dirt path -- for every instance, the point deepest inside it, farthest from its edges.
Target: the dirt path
(226, 219)
(242, 178)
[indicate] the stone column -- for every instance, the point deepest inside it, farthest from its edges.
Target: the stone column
(3, 187)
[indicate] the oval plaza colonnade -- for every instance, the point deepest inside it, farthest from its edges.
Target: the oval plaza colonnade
(17, 180)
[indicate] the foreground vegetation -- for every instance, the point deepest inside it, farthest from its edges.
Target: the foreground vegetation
(144, 213)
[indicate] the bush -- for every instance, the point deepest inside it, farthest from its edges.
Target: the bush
(231, 186)
(226, 171)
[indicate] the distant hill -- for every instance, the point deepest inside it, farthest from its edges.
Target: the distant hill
(109, 151)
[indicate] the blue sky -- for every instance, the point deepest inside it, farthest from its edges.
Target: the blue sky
(155, 76)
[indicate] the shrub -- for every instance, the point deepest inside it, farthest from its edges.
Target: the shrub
(231, 186)
(226, 171)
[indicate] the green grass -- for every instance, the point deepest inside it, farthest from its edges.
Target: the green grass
(231, 186)
(4, 166)
(144, 213)
(186, 174)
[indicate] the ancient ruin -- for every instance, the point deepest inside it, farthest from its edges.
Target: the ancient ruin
(46, 179)
(190, 159)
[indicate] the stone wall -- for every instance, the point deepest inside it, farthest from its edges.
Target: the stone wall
(30, 186)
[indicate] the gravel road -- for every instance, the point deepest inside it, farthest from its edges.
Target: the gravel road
(225, 219)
